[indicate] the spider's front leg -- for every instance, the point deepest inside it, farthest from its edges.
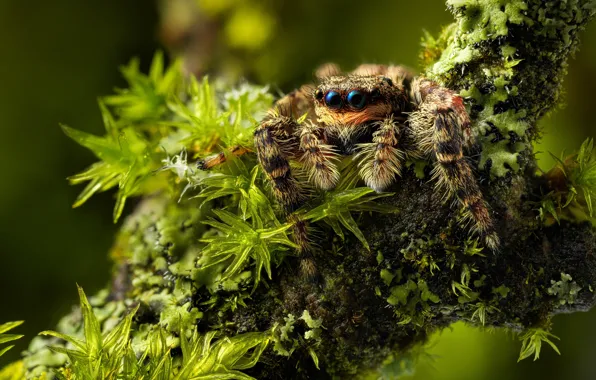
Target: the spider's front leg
(442, 129)
(275, 143)
(317, 157)
(381, 159)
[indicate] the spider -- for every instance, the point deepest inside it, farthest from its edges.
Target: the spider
(380, 115)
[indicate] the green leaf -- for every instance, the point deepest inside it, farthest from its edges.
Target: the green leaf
(93, 339)
(5, 350)
(79, 344)
(9, 326)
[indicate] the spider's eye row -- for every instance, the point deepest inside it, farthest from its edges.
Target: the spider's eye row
(319, 95)
(356, 99)
(333, 100)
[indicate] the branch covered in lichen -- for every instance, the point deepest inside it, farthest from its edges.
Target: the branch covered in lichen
(209, 254)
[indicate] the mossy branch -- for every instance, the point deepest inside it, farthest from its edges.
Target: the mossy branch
(190, 259)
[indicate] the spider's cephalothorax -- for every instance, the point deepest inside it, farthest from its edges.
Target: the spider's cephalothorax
(379, 115)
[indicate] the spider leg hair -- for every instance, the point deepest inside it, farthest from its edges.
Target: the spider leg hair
(441, 124)
(273, 144)
(318, 158)
(380, 161)
(217, 159)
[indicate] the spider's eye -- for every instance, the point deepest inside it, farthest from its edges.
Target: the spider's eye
(357, 99)
(333, 100)
(319, 95)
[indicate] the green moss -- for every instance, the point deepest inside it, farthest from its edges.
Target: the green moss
(482, 311)
(573, 182)
(532, 340)
(14, 371)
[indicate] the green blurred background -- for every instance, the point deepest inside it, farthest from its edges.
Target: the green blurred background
(58, 56)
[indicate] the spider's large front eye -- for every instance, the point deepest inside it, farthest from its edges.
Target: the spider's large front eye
(357, 99)
(333, 100)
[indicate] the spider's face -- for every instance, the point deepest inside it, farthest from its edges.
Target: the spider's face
(355, 100)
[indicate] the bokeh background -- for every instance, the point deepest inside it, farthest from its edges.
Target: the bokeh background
(57, 57)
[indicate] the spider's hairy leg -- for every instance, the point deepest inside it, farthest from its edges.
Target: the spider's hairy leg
(381, 159)
(275, 143)
(317, 157)
(441, 124)
(219, 158)
(301, 233)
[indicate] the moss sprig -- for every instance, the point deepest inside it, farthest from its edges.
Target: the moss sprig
(5, 338)
(110, 355)
(573, 186)
(532, 340)
(239, 242)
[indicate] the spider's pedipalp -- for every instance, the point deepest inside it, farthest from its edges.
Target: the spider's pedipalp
(219, 158)
(380, 160)
(442, 129)
(317, 157)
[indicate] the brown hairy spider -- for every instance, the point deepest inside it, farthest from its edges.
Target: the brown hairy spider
(379, 115)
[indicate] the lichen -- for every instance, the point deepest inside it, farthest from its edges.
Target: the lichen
(498, 89)
(565, 290)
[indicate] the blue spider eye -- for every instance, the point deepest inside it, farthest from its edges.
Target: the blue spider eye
(357, 99)
(333, 100)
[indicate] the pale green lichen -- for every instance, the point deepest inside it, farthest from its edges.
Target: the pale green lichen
(314, 325)
(283, 337)
(492, 86)
(566, 290)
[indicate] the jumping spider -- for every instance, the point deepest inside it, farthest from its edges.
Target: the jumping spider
(379, 115)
